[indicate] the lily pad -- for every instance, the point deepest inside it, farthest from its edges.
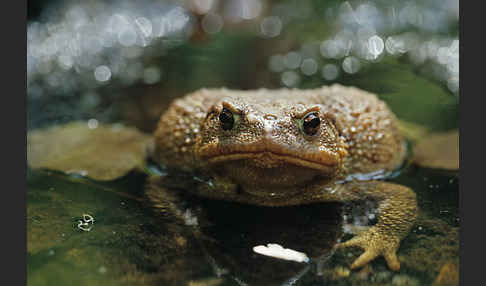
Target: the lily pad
(105, 152)
(438, 151)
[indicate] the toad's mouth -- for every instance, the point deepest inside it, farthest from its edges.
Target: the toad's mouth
(269, 159)
(269, 175)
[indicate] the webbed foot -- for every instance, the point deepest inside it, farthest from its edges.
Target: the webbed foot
(374, 244)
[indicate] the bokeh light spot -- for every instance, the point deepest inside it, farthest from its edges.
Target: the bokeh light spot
(330, 72)
(271, 26)
(375, 46)
(102, 73)
(351, 65)
(127, 36)
(292, 60)
(308, 67)
(290, 78)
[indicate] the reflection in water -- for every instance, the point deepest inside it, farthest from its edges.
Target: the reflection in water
(232, 230)
(130, 243)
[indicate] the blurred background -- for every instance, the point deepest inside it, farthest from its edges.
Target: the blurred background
(125, 60)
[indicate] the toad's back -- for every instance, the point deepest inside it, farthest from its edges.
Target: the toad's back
(367, 129)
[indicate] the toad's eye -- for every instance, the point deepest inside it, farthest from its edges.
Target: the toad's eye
(310, 124)
(227, 119)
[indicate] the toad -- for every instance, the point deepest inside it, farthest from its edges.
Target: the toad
(291, 147)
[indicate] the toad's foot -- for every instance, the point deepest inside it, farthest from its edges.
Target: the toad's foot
(397, 211)
(374, 243)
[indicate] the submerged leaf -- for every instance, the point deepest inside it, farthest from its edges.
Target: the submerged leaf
(438, 150)
(106, 152)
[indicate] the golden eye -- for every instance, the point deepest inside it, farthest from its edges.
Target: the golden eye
(227, 119)
(311, 123)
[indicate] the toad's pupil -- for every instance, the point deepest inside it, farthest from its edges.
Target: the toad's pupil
(311, 123)
(226, 118)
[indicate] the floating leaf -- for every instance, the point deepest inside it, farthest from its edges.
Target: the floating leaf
(438, 150)
(106, 152)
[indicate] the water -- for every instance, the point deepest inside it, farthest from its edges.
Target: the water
(302, 46)
(128, 243)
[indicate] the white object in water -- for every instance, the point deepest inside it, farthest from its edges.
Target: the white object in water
(87, 223)
(277, 251)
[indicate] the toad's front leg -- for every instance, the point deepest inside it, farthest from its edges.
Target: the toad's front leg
(397, 211)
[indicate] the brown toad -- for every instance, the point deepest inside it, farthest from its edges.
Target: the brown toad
(288, 147)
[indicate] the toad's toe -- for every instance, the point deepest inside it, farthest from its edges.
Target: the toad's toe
(375, 244)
